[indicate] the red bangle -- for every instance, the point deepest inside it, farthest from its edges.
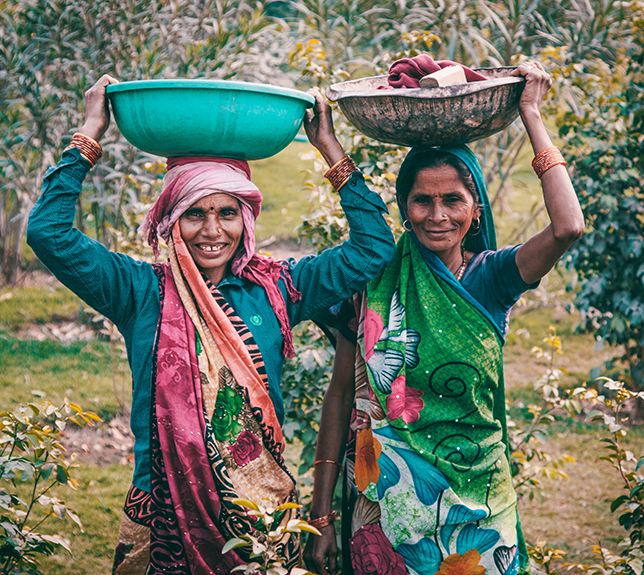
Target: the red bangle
(547, 159)
(89, 148)
(323, 521)
(340, 172)
(327, 461)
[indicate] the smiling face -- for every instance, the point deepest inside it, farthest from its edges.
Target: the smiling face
(212, 229)
(440, 210)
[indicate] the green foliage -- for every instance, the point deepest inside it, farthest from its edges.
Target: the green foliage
(631, 503)
(529, 463)
(363, 34)
(264, 540)
(608, 409)
(604, 144)
(304, 382)
(31, 465)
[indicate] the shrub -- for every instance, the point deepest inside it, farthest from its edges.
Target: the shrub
(32, 464)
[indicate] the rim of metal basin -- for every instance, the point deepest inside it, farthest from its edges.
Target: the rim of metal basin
(211, 84)
(352, 88)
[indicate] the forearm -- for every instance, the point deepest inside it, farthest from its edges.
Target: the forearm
(539, 254)
(334, 428)
(50, 232)
(558, 193)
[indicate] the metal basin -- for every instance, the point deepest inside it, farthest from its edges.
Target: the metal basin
(444, 116)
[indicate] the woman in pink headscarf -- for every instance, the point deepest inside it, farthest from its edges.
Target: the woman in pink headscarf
(206, 334)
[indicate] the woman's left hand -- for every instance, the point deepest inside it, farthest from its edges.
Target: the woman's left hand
(538, 82)
(318, 124)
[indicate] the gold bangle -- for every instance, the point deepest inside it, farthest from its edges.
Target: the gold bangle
(547, 159)
(327, 461)
(340, 172)
(89, 148)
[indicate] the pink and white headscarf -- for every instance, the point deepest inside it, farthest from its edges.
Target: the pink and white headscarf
(191, 178)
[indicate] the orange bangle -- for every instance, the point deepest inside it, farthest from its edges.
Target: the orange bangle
(547, 159)
(323, 521)
(340, 172)
(90, 149)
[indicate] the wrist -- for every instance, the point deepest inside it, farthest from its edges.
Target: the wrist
(89, 148)
(531, 115)
(320, 510)
(93, 130)
(323, 521)
(338, 175)
(332, 152)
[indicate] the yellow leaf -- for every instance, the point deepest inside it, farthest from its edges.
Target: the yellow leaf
(245, 503)
(286, 506)
(304, 526)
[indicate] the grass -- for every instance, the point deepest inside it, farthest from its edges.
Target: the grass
(80, 371)
(22, 307)
(280, 180)
(576, 514)
(99, 502)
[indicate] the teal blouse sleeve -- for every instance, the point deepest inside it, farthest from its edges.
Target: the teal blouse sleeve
(114, 284)
(339, 272)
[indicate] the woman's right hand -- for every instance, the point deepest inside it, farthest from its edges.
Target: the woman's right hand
(97, 110)
(321, 552)
(318, 124)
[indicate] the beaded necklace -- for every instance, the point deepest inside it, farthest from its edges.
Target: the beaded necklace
(461, 269)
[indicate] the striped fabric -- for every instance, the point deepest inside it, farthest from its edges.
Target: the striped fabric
(243, 331)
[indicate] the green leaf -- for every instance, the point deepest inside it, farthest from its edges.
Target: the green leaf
(57, 540)
(618, 502)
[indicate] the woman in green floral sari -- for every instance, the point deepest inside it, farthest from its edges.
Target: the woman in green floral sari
(417, 393)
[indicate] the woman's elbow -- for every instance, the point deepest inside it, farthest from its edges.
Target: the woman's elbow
(570, 233)
(33, 233)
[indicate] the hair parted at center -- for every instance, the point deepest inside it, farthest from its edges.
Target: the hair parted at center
(432, 159)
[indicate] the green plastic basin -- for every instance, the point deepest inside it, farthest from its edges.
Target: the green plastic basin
(208, 117)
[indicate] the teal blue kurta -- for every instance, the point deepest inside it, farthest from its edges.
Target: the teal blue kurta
(126, 291)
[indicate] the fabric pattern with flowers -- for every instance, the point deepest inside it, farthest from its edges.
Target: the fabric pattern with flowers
(436, 464)
(225, 424)
(246, 448)
(372, 553)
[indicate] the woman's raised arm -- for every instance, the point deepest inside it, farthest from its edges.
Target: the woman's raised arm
(539, 254)
(110, 282)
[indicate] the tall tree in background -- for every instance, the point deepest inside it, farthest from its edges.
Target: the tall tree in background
(605, 137)
(51, 51)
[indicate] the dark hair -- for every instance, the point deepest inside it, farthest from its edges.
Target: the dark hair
(432, 159)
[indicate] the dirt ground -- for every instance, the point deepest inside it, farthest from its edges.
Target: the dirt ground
(107, 443)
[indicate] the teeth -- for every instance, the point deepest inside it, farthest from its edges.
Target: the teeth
(211, 248)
